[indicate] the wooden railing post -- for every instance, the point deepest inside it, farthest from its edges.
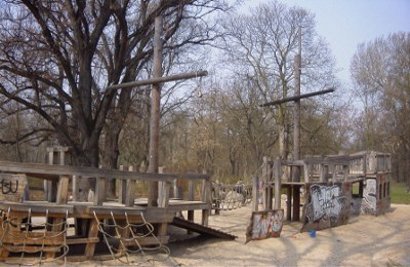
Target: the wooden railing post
(307, 171)
(100, 190)
(255, 193)
(130, 191)
(266, 183)
(278, 174)
(62, 190)
(163, 191)
(206, 197)
(191, 193)
(122, 188)
(323, 173)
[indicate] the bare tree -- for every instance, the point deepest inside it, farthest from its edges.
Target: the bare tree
(262, 45)
(381, 72)
(58, 57)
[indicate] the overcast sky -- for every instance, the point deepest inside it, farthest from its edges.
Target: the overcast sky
(346, 23)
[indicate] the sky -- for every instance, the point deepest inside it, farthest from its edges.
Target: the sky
(344, 24)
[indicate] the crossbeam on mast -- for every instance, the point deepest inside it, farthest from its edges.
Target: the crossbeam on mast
(296, 98)
(180, 76)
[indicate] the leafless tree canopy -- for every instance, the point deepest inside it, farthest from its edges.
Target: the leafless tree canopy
(57, 58)
(381, 72)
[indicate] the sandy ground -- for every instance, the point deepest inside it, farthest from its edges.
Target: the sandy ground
(365, 241)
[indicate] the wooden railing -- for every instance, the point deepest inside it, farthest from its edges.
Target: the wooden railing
(63, 174)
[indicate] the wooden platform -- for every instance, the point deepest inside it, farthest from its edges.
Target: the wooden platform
(127, 209)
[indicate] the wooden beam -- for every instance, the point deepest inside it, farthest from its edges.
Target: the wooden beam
(176, 77)
(296, 98)
(53, 172)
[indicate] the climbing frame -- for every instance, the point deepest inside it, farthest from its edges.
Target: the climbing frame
(33, 243)
(125, 238)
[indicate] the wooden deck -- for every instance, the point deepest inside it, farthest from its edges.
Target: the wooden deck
(127, 208)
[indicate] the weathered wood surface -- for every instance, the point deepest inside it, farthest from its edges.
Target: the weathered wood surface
(53, 172)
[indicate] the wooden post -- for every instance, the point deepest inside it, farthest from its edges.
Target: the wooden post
(130, 190)
(296, 117)
(100, 190)
(191, 192)
(278, 185)
(289, 203)
(176, 192)
(163, 191)
(323, 173)
(163, 203)
(92, 233)
(155, 113)
(307, 170)
(74, 184)
(345, 172)
(48, 185)
(266, 184)
(123, 188)
(255, 193)
(206, 190)
(62, 190)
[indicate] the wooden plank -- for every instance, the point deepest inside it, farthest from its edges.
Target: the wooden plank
(53, 172)
(323, 173)
(307, 171)
(255, 193)
(31, 249)
(34, 238)
(100, 190)
(54, 210)
(92, 233)
(265, 179)
(130, 193)
(164, 197)
(278, 175)
(62, 190)
(74, 190)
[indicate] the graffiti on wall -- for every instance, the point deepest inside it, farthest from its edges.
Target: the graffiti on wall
(369, 197)
(327, 206)
(12, 187)
(265, 224)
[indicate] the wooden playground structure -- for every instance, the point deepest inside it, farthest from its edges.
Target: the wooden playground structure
(62, 228)
(102, 228)
(368, 172)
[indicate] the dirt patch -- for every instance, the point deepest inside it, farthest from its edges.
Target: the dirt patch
(365, 241)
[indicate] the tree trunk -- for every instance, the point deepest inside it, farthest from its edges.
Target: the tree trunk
(111, 153)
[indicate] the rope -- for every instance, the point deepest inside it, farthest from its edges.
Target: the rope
(137, 231)
(7, 222)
